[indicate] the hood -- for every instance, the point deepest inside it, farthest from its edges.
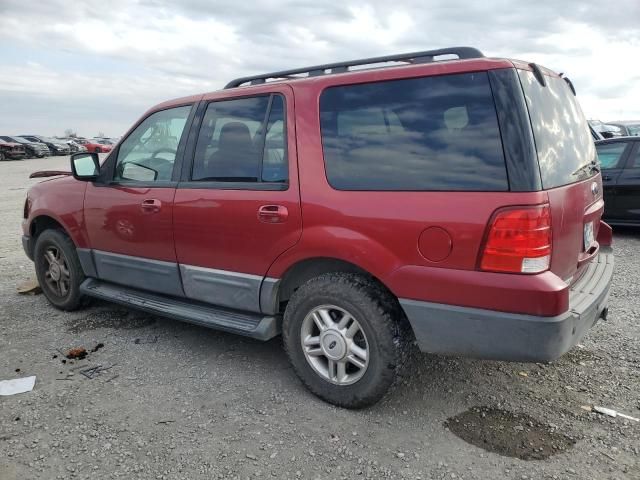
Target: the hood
(10, 144)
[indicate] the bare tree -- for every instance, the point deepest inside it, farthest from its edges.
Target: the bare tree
(69, 132)
(101, 134)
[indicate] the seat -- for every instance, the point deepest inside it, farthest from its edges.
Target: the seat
(235, 159)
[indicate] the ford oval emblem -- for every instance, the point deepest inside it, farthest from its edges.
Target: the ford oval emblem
(594, 189)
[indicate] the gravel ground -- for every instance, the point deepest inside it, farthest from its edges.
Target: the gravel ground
(184, 402)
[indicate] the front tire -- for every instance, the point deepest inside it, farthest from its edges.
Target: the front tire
(58, 269)
(344, 336)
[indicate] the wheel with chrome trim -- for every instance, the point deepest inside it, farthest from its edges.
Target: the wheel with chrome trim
(58, 269)
(342, 333)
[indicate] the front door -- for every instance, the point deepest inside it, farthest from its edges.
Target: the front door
(129, 214)
(612, 156)
(238, 207)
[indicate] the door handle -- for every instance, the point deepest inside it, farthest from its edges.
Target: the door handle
(151, 205)
(273, 213)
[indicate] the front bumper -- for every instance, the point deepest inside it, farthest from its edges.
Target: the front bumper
(28, 247)
(479, 333)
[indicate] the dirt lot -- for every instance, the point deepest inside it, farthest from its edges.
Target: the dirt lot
(176, 401)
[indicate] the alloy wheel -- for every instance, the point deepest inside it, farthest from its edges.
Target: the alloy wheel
(57, 274)
(335, 345)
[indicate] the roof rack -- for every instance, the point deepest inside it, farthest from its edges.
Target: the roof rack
(415, 57)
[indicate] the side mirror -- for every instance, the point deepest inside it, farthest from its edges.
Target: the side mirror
(138, 173)
(85, 166)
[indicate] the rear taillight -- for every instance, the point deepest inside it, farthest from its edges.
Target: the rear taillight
(519, 241)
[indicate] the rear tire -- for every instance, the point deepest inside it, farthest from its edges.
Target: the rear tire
(58, 269)
(354, 360)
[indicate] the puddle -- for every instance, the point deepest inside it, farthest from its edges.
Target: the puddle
(112, 318)
(508, 434)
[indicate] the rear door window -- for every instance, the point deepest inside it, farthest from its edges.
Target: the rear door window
(609, 154)
(242, 140)
(563, 139)
(432, 133)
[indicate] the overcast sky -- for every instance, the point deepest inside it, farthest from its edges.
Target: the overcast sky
(96, 65)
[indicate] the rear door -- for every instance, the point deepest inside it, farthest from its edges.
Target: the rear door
(628, 187)
(568, 168)
(237, 206)
(612, 156)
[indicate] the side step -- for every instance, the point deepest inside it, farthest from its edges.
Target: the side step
(248, 324)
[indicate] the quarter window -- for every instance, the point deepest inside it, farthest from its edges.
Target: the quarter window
(242, 140)
(432, 133)
(149, 153)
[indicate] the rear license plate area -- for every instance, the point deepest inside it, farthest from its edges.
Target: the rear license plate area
(588, 235)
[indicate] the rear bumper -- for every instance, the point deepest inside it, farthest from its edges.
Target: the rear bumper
(488, 334)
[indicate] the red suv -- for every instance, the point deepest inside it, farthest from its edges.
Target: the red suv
(453, 202)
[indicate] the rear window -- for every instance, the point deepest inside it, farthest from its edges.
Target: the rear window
(432, 133)
(563, 139)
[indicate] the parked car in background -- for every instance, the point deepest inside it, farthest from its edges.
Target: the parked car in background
(628, 128)
(620, 163)
(32, 149)
(439, 210)
(11, 150)
(595, 135)
(57, 147)
(74, 144)
(96, 145)
(605, 129)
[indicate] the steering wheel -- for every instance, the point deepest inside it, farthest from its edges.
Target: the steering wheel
(163, 150)
(163, 166)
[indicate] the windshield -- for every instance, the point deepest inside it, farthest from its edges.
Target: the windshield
(566, 152)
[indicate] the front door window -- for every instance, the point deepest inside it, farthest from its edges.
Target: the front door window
(149, 153)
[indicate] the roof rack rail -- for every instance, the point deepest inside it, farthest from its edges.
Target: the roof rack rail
(340, 67)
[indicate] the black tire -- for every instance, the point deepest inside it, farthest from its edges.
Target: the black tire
(53, 240)
(98, 150)
(2, 157)
(381, 321)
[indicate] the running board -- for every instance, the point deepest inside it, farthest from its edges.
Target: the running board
(252, 325)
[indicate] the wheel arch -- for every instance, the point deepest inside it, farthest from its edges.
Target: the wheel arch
(304, 270)
(42, 222)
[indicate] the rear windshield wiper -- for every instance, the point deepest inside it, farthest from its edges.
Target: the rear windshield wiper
(591, 167)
